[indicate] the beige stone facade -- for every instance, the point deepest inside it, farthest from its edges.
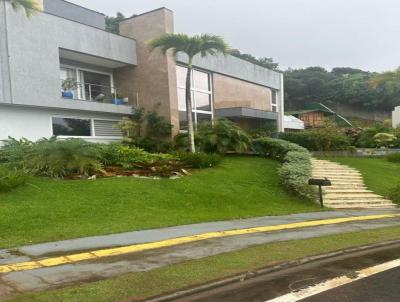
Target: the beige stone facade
(230, 92)
(153, 81)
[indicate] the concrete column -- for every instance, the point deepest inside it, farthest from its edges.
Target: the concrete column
(281, 105)
(153, 80)
(5, 77)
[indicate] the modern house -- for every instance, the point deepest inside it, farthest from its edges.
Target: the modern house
(315, 115)
(62, 73)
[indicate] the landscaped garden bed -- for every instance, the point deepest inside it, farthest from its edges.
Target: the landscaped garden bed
(62, 189)
(54, 209)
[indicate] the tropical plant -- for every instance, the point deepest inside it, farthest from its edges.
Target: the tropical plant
(11, 178)
(30, 6)
(199, 160)
(130, 157)
(221, 136)
(384, 139)
(327, 138)
(151, 136)
(62, 158)
(69, 84)
(191, 46)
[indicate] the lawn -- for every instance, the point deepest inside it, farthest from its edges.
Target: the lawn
(379, 174)
(49, 210)
(146, 284)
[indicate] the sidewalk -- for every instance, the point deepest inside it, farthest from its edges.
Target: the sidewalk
(44, 266)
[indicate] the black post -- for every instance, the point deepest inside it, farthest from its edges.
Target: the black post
(321, 199)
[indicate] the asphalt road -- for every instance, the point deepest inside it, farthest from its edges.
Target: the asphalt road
(382, 287)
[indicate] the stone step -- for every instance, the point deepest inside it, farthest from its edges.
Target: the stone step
(359, 197)
(343, 176)
(363, 206)
(336, 171)
(339, 178)
(352, 202)
(328, 173)
(330, 190)
(348, 190)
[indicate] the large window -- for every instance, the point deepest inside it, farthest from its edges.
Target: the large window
(201, 96)
(274, 101)
(71, 127)
(90, 85)
(85, 127)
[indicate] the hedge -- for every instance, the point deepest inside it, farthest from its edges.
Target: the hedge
(296, 167)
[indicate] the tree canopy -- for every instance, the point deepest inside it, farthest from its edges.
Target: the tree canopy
(343, 85)
(262, 61)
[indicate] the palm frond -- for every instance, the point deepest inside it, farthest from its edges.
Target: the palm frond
(30, 6)
(204, 44)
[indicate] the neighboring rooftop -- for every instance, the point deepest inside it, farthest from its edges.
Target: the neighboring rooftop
(74, 12)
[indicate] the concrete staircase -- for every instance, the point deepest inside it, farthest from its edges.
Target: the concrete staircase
(348, 189)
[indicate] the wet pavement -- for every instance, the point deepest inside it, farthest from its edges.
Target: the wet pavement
(380, 287)
(383, 287)
(86, 271)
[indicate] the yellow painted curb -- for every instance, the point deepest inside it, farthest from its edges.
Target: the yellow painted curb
(69, 259)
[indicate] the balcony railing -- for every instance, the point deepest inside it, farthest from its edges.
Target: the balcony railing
(93, 93)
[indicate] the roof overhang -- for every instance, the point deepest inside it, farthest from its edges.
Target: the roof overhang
(243, 112)
(90, 59)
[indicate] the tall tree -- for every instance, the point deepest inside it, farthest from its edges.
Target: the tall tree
(191, 46)
(30, 6)
(112, 23)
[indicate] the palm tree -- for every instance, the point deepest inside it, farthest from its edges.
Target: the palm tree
(191, 46)
(30, 6)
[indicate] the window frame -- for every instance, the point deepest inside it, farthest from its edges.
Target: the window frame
(92, 129)
(194, 90)
(77, 69)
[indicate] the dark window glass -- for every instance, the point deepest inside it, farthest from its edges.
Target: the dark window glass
(97, 86)
(71, 127)
(274, 97)
(183, 124)
(202, 117)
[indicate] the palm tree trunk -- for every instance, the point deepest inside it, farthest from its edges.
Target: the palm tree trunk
(189, 108)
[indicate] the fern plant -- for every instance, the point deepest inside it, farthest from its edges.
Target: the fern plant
(62, 158)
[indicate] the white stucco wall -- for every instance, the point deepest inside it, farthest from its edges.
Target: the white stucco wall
(396, 117)
(35, 123)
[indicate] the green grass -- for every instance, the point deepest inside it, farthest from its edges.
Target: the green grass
(51, 210)
(380, 175)
(178, 276)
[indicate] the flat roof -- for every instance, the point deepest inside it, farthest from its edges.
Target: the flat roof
(245, 112)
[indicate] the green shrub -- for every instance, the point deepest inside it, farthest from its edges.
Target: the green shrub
(11, 179)
(296, 169)
(275, 148)
(13, 151)
(394, 157)
(130, 157)
(58, 159)
(394, 194)
(199, 160)
(221, 137)
(322, 139)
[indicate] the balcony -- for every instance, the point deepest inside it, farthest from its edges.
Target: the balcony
(71, 90)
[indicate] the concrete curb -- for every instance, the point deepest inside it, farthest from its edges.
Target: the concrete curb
(270, 269)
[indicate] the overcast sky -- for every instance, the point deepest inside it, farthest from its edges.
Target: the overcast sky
(296, 33)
